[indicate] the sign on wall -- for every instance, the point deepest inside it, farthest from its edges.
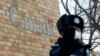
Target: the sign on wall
(29, 24)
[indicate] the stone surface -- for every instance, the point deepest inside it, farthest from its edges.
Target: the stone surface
(25, 28)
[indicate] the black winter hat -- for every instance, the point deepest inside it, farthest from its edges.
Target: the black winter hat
(72, 20)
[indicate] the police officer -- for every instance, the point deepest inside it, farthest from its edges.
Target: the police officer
(70, 28)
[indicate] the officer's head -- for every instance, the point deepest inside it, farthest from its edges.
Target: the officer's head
(66, 22)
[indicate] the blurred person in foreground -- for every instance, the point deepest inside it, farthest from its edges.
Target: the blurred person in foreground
(70, 28)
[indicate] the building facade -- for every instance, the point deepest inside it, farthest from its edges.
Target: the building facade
(27, 27)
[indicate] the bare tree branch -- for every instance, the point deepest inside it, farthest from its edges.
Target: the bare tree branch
(98, 19)
(66, 7)
(95, 40)
(95, 8)
(91, 36)
(85, 11)
(96, 46)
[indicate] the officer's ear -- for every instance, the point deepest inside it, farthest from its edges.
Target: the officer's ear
(76, 28)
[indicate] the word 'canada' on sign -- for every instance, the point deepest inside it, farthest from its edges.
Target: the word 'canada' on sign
(29, 24)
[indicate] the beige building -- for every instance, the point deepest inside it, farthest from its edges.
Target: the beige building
(27, 27)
